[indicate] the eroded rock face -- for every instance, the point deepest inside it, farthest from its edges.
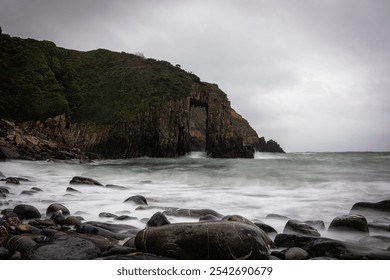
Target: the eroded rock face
(205, 240)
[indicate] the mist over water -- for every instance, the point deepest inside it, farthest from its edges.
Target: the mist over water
(303, 186)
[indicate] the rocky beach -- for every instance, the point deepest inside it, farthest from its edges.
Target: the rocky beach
(54, 232)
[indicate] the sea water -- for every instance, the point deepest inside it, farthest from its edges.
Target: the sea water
(302, 186)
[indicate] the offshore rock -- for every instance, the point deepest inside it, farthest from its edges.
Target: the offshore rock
(84, 181)
(371, 209)
(137, 200)
(56, 207)
(193, 213)
(269, 146)
(204, 240)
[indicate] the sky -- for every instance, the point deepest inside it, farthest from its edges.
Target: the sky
(312, 75)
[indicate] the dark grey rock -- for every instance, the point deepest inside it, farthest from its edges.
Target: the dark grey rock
(116, 228)
(266, 228)
(117, 250)
(380, 242)
(279, 255)
(84, 181)
(371, 209)
(3, 234)
(55, 207)
(20, 243)
(115, 187)
(58, 217)
(317, 224)
(296, 253)
(137, 200)
(1, 175)
(72, 190)
(5, 254)
(124, 217)
(64, 247)
(73, 220)
(25, 211)
(354, 224)
(294, 226)
(107, 215)
(205, 240)
(158, 219)
(90, 229)
(208, 217)
(12, 180)
(377, 228)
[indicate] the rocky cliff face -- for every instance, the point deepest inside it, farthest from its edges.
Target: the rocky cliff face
(161, 131)
(116, 105)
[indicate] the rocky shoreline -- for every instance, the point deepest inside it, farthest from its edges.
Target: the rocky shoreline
(58, 234)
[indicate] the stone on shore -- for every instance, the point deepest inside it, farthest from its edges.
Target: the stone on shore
(25, 211)
(298, 227)
(158, 219)
(56, 207)
(204, 240)
(64, 247)
(193, 213)
(371, 209)
(84, 181)
(353, 224)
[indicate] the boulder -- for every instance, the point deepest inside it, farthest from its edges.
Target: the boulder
(72, 190)
(20, 243)
(317, 224)
(64, 247)
(107, 215)
(266, 228)
(84, 181)
(158, 219)
(25, 211)
(371, 209)
(354, 224)
(56, 207)
(137, 200)
(12, 180)
(204, 240)
(294, 226)
(277, 217)
(3, 234)
(5, 254)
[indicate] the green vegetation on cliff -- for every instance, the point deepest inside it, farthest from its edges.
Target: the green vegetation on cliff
(40, 80)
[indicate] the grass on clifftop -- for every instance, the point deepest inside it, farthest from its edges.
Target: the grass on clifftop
(40, 80)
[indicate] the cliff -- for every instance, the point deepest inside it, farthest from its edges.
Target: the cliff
(113, 104)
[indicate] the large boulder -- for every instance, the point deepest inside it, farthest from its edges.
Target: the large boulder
(294, 226)
(371, 209)
(204, 240)
(25, 211)
(353, 224)
(56, 207)
(64, 247)
(84, 181)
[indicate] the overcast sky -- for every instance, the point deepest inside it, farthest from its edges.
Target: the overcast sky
(313, 75)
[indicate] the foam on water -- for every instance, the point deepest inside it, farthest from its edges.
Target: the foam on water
(304, 186)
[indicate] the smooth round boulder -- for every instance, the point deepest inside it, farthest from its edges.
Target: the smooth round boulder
(137, 200)
(355, 224)
(25, 211)
(57, 207)
(158, 219)
(295, 226)
(20, 243)
(204, 240)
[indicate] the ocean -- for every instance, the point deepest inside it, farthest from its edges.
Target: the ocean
(302, 186)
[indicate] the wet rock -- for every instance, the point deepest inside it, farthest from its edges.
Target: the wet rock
(158, 219)
(277, 217)
(24, 228)
(4, 190)
(354, 224)
(84, 181)
(16, 256)
(58, 217)
(317, 224)
(278, 255)
(100, 231)
(3, 195)
(42, 223)
(380, 242)
(294, 226)
(3, 234)
(193, 213)
(73, 220)
(12, 180)
(72, 190)
(379, 228)
(64, 247)
(20, 243)
(49, 232)
(5, 254)
(125, 217)
(117, 250)
(238, 218)
(1, 175)
(56, 207)
(115, 187)
(266, 228)
(206, 240)
(117, 228)
(296, 253)
(13, 221)
(26, 211)
(137, 200)
(27, 193)
(371, 209)
(107, 215)
(297, 240)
